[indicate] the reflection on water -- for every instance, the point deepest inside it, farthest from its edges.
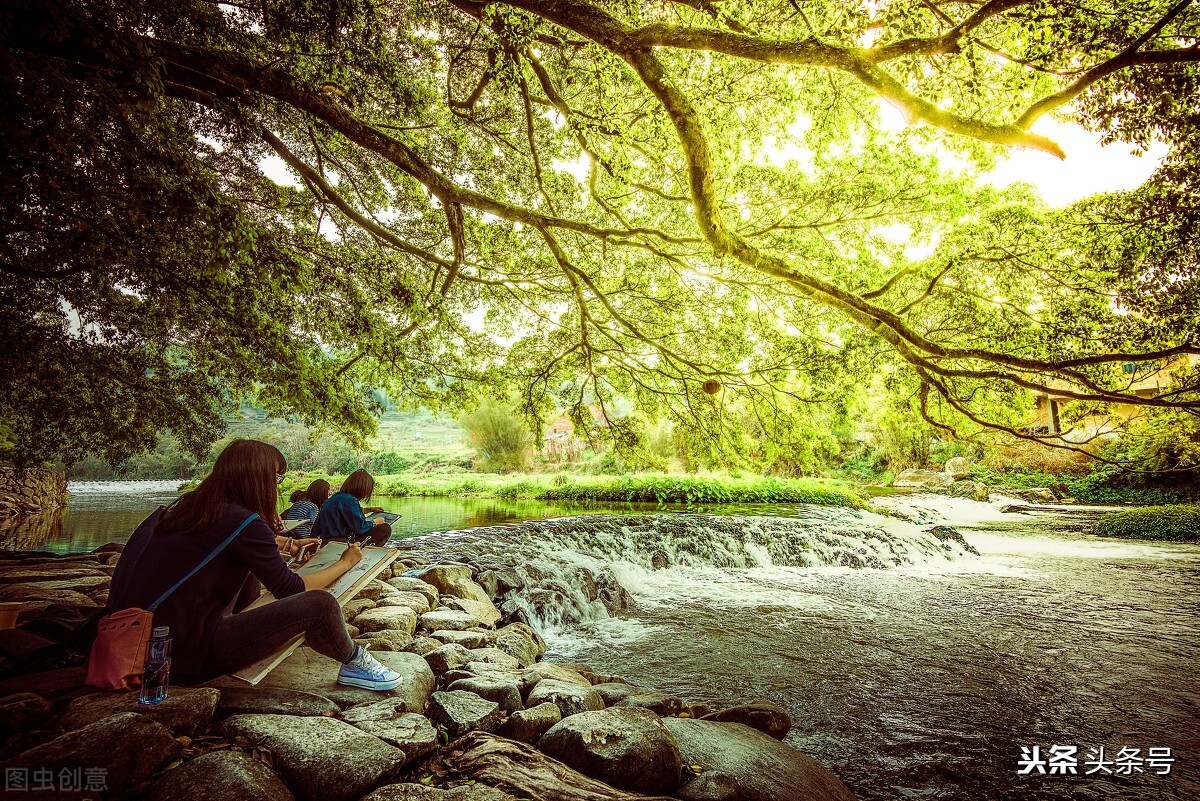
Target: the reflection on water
(109, 511)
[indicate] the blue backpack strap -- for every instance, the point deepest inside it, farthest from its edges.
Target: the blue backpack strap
(207, 559)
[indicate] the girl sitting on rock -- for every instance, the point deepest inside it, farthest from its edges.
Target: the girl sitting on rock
(209, 640)
(343, 517)
(306, 504)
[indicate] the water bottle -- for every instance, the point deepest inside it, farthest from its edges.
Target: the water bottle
(156, 677)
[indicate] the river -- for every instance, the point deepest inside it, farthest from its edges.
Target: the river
(910, 666)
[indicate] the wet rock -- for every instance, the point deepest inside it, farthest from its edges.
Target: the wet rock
(493, 656)
(529, 724)
(524, 680)
(489, 582)
(273, 701)
(454, 580)
(187, 711)
(484, 611)
(449, 619)
(948, 534)
(128, 747)
(696, 709)
(512, 612)
(220, 776)
(742, 763)
(354, 608)
(521, 642)
(504, 692)
(461, 712)
(308, 671)
(660, 704)
(422, 645)
(23, 712)
(321, 759)
(411, 733)
(467, 639)
(557, 672)
(612, 593)
(416, 601)
(387, 618)
(419, 792)
(762, 715)
(571, 699)
(448, 657)
(109, 547)
(659, 560)
(614, 693)
(627, 748)
(408, 584)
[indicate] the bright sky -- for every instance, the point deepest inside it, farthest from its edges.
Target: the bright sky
(1088, 168)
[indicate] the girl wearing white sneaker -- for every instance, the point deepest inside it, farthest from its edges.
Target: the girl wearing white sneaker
(209, 525)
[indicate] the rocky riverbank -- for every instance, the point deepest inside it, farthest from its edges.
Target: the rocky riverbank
(480, 716)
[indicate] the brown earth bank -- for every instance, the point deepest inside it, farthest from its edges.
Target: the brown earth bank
(480, 715)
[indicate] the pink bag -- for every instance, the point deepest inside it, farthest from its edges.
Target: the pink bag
(119, 653)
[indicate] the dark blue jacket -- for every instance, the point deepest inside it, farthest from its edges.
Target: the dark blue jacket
(341, 516)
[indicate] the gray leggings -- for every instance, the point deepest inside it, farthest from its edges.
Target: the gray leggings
(246, 637)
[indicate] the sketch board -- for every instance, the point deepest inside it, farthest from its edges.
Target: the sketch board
(374, 561)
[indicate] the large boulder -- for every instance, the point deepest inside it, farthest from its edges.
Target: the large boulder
(615, 692)
(322, 759)
(419, 792)
(494, 656)
(220, 776)
(386, 640)
(387, 618)
(128, 748)
(187, 711)
(571, 699)
(628, 748)
(743, 764)
(925, 480)
(958, 467)
(1036, 495)
(308, 671)
(762, 715)
(530, 724)
(354, 608)
(461, 712)
(660, 704)
(456, 580)
(411, 733)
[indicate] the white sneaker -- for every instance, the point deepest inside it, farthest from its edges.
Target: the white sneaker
(368, 672)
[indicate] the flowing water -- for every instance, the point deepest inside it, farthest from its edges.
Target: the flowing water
(911, 665)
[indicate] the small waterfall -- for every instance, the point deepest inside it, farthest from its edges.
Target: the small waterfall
(555, 573)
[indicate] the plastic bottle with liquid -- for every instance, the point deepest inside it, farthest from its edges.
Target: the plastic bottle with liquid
(156, 677)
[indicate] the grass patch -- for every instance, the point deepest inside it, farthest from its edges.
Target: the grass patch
(1167, 523)
(643, 488)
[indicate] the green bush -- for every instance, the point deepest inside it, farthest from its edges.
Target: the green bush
(1172, 523)
(697, 490)
(501, 439)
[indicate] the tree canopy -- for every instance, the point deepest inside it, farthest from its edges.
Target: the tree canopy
(580, 200)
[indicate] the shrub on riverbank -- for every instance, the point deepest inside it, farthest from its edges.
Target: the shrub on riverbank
(1096, 486)
(644, 488)
(1172, 523)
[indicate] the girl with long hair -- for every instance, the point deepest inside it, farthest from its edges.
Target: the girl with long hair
(343, 517)
(306, 504)
(211, 636)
